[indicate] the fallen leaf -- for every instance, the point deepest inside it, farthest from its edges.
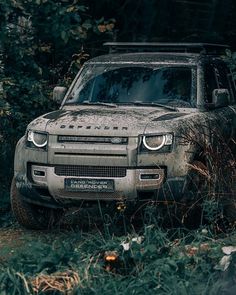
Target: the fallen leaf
(228, 250)
(224, 263)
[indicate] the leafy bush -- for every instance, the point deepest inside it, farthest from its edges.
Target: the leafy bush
(40, 45)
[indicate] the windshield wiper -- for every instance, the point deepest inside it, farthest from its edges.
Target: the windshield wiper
(155, 104)
(111, 105)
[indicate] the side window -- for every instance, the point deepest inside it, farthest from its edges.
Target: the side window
(224, 80)
(222, 77)
(210, 82)
(232, 86)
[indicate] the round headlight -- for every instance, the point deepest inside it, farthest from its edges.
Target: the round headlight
(39, 139)
(154, 143)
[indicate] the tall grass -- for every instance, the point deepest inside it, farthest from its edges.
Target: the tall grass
(154, 260)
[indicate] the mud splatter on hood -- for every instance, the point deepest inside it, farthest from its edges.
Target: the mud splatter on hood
(106, 121)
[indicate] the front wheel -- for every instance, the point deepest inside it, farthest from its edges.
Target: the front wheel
(32, 216)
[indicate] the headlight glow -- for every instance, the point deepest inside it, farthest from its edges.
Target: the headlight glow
(39, 139)
(156, 142)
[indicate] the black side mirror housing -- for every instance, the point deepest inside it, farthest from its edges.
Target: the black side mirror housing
(220, 98)
(59, 94)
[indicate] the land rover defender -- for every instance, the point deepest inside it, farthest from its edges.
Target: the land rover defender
(121, 133)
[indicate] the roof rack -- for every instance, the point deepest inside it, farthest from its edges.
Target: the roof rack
(203, 48)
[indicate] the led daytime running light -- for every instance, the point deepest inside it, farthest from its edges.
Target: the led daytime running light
(31, 138)
(154, 148)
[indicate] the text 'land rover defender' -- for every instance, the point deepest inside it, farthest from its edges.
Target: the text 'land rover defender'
(122, 132)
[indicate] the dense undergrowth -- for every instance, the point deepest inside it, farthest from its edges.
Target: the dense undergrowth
(140, 259)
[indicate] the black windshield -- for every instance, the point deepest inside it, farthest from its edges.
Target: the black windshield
(130, 84)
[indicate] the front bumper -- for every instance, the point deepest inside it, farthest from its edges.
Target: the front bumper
(125, 188)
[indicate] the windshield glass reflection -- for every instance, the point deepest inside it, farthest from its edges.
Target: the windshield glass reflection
(130, 84)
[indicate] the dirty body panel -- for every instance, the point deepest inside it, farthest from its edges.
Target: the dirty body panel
(120, 132)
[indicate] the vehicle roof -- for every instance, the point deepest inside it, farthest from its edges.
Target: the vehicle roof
(150, 57)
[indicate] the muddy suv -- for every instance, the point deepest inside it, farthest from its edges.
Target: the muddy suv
(130, 128)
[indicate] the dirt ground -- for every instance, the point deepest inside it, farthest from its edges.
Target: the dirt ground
(14, 238)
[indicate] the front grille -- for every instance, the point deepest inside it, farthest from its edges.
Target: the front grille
(90, 171)
(93, 139)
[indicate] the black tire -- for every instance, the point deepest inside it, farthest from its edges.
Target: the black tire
(32, 216)
(230, 211)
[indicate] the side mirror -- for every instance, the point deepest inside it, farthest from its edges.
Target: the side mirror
(59, 94)
(220, 98)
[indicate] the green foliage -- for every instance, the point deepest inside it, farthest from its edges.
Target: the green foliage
(40, 46)
(153, 262)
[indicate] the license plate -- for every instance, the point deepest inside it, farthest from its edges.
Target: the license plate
(89, 185)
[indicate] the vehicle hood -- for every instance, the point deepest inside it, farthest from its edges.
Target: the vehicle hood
(104, 121)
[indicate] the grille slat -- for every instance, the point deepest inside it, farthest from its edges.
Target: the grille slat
(90, 171)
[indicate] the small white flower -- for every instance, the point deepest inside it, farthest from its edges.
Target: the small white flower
(138, 240)
(125, 246)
